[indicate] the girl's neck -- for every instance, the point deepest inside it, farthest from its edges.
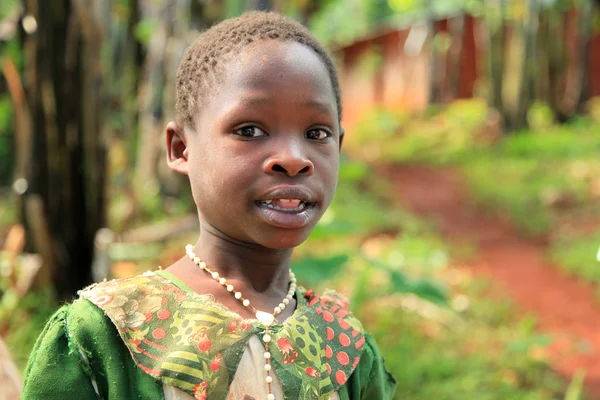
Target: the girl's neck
(261, 274)
(262, 269)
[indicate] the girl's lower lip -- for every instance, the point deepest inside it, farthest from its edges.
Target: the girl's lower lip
(287, 219)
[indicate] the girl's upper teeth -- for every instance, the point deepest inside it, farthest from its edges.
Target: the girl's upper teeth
(283, 201)
(285, 204)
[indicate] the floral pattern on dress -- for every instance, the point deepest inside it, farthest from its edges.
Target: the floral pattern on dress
(194, 343)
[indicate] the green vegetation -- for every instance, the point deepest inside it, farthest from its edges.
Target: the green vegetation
(441, 135)
(503, 358)
(21, 318)
(420, 308)
(577, 255)
(545, 180)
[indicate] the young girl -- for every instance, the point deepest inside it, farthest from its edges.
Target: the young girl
(258, 134)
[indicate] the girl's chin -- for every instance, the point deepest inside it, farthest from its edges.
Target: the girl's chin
(284, 240)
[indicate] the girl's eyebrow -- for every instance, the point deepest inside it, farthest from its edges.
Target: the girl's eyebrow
(323, 106)
(255, 101)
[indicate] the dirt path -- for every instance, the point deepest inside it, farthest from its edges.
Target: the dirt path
(565, 307)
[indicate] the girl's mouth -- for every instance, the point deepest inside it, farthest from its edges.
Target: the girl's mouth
(287, 205)
(287, 213)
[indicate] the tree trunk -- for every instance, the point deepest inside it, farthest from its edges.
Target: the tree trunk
(586, 14)
(310, 8)
(554, 41)
(528, 66)
(496, 55)
(150, 98)
(435, 64)
(457, 32)
(63, 204)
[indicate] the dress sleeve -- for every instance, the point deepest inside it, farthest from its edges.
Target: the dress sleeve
(56, 369)
(80, 355)
(370, 380)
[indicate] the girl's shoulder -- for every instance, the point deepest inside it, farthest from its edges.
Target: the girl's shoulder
(162, 327)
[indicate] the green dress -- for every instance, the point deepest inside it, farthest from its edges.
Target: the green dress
(129, 338)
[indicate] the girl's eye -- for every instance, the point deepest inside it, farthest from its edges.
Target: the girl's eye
(317, 134)
(250, 132)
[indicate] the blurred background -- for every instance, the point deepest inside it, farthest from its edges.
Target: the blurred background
(466, 225)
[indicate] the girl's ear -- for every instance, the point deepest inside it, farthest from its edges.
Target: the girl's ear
(177, 151)
(342, 132)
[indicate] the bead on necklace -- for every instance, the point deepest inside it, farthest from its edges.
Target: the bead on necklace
(264, 318)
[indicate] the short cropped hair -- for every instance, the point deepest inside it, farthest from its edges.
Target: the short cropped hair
(203, 63)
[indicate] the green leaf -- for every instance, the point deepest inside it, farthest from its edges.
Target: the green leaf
(144, 29)
(311, 271)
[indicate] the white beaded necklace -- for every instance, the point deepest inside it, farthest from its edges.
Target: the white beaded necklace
(264, 318)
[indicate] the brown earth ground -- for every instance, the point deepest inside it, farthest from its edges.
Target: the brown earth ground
(565, 307)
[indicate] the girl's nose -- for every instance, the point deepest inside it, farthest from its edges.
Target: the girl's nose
(290, 163)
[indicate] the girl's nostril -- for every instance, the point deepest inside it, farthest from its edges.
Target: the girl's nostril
(279, 168)
(305, 169)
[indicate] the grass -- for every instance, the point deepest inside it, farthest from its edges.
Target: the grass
(503, 358)
(22, 319)
(460, 345)
(546, 180)
(442, 337)
(436, 137)
(578, 256)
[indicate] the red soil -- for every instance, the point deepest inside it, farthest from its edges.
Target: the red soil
(565, 307)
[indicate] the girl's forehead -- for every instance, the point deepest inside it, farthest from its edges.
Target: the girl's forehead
(273, 74)
(279, 65)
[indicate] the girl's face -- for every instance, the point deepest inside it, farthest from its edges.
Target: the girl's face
(263, 161)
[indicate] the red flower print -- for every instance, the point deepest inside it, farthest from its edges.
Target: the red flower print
(330, 333)
(246, 325)
(340, 377)
(180, 296)
(159, 333)
(343, 324)
(359, 343)
(286, 348)
(344, 340)
(334, 301)
(201, 340)
(168, 288)
(200, 391)
(355, 363)
(233, 325)
(214, 365)
(163, 314)
(328, 368)
(328, 352)
(343, 358)
(310, 371)
(284, 345)
(204, 343)
(327, 316)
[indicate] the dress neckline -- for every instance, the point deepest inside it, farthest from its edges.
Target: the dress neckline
(301, 304)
